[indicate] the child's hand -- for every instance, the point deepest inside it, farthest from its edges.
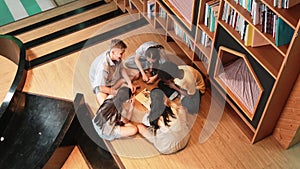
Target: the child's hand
(135, 87)
(172, 85)
(145, 77)
(151, 80)
(132, 100)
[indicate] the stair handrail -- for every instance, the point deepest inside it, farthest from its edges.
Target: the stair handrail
(14, 50)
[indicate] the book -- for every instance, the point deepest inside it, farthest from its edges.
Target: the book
(256, 9)
(214, 9)
(144, 98)
(208, 11)
(162, 13)
(150, 9)
(249, 35)
(284, 33)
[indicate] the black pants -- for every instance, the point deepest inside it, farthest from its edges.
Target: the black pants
(190, 102)
(165, 88)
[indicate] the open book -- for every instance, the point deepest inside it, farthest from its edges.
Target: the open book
(144, 98)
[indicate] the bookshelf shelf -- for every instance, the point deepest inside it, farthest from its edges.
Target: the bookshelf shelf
(291, 16)
(271, 61)
(181, 44)
(162, 22)
(161, 29)
(138, 4)
(245, 126)
(131, 11)
(205, 50)
(247, 16)
(185, 12)
(206, 30)
(121, 4)
(268, 58)
(275, 64)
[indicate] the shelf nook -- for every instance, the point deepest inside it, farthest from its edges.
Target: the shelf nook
(234, 74)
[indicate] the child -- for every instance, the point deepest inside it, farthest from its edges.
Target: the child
(191, 102)
(147, 57)
(106, 72)
(108, 122)
(164, 127)
(185, 79)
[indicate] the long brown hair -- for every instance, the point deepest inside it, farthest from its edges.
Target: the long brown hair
(112, 107)
(158, 108)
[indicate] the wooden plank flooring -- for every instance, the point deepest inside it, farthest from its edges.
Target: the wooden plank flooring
(227, 147)
(75, 161)
(8, 70)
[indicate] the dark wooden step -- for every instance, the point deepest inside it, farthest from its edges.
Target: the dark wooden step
(91, 145)
(37, 128)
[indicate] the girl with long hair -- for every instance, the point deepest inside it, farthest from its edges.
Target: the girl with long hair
(164, 126)
(147, 57)
(109, 123)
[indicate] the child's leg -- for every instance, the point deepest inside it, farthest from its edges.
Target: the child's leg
(143, 130)
(118, 84)
(165, 88)
(133, 74)
(128, 130)
(101, 97)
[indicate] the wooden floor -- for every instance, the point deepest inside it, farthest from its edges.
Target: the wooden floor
(8, 70)
(226, 147)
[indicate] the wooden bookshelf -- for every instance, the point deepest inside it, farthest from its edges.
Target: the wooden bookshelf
(182, 13)
(277, 67)
(138, 4)
(121, 4)
(271, 59)
(247, 16)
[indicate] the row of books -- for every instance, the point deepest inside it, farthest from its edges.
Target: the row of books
(204, 39)
(247, 32)
(202, 58)
(131, 5)
(211, 14)
(246, 4)
(254, 7)
(179, 32)
(162, 13)
(272, 24)
(250, 5)
(285, 3)
(150, 9)
(269, 23)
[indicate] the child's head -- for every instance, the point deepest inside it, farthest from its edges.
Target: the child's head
(152, 54)
(112, 107)
(157, 103)
(117, 49)
(158, 109)
(168, 71)
(117, 43)
(123, 94)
